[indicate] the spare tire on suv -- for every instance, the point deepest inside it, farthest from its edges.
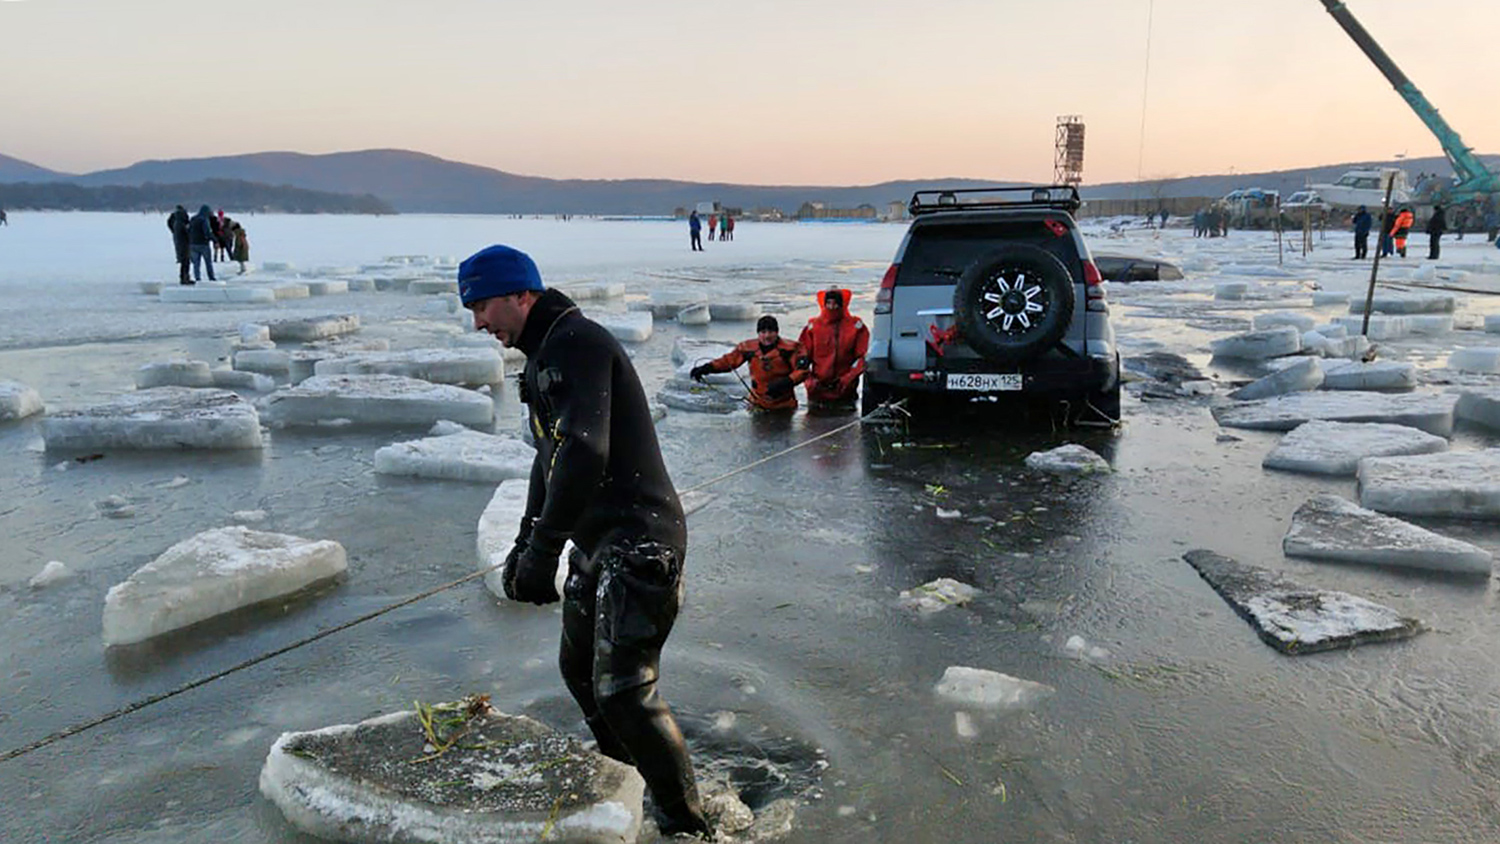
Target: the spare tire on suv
(1014, 303)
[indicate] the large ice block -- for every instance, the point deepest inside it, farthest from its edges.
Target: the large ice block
(631, 327)
(470, 367)
(1455, 484)
(174, 373)
(1259, 345)
(1429, 411)
(1304, 374)
(376, 400)
(1480, 405)
(313, 328)
(1335, 448)
(159, 418)
(461, 456)
(1375, 375)
(1328, 527)
(18, 401)
(213, 573)
(204, 294)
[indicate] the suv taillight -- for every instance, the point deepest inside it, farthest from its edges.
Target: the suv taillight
(888, 290)
(1093, 287)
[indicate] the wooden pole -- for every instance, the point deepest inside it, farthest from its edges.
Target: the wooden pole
(1385, 210)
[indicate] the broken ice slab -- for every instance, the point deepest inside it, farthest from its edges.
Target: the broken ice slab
(581, 292)
(291, 290)
(1231, 291)
(206, 294)
(326, 287)
(1295, 619)
(1304, 374)
(1274, 319)
(498, 526)
(462, 456)
(213, 573)
(233, 379)
(1430, 412)
(463, 366)
(376, 400)
(265, 361)
(509, 779)
(1328, 527)
(734, 311)
(174, 373)
(666, 305)
(313, 328)
(694, 315)
(1406, 303)
(1480, 405)
(683, 393)
(1375, 375)
(1455, 484)
(428, 286)
(156, 419)
(1259, 345)
(632, 327)
(938, 595)
(1484, 360)
(1320, 447)
(980, 688)
(1380, 327)
(18, 401)
(1070, 459)
(1430, 324)
(1321, 298)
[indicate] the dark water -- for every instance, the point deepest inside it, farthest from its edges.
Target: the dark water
(793, 667)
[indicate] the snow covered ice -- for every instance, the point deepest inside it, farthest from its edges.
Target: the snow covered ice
(1295, 619)
(1428, 411)
(174, 373)
(213, 573)
(18, 401)
(157, 418)
(376, 400)
(1374, 375)
(1321, 447)
(938, 595)
(511, 779)
(303, 329)
(1259, 345)
(1305, 374)
(1328, 527)
(461, 456)
(205, 292)
(1456, 484)
(1070, 459)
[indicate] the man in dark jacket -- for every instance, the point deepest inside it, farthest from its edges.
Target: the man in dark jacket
(1362, 223)
(598, 480)
(1436, 225)
(201, 242)
(177, 223)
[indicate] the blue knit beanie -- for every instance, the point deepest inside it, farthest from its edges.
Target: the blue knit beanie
(496, 271)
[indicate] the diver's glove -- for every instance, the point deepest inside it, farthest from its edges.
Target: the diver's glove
(697, 372)
(531, 572)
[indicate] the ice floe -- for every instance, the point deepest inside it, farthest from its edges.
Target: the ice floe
(683, 393)
(1295, 619)
(156, 419)
(1379, 328)
(1335, 448)
(375, 400)
(938, 595)
(463, 455)
(631, 327)
(980, 688)
(1374, 375)
(1484, 360)
(1259, 345)
(18, 401)
(207, 293)
(1305, 374)
(313, 328)
(174, 373)
(1456, 484)
(233, 379)
(265, 361)
(1406, 303)
(213, 573)
(1070, 459)
(694, 315)
(734, 311)
(467, 367)
(1430, 412)
(53, 572)
(1480, 405)
(1328, 527)
(511, 779)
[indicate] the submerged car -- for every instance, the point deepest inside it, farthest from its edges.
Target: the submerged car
(993, 293)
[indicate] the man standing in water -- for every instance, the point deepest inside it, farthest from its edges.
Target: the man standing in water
(598, 480)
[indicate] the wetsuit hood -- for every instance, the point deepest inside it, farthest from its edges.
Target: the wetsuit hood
(823, 303)
(544, 312)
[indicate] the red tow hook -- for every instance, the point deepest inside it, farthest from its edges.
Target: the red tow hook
(941, 337)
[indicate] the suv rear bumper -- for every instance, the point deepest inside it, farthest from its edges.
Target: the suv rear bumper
(1060, 377)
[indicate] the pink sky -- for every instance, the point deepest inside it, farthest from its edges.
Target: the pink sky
(754, 91)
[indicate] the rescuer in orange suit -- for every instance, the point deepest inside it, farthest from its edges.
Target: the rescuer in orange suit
(836, 343)
(776, 366)
(1401, 228)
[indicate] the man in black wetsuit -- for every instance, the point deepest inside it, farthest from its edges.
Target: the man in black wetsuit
(598, 480)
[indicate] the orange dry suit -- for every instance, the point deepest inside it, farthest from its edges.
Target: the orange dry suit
(774, 370)
(836, 348)
(1401, 228)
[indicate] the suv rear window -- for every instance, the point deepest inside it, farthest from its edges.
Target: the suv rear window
(938, 254)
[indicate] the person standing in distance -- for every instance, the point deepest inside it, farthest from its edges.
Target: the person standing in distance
(177, 223)
(1362, 222)
(695, 231)
(598, 480)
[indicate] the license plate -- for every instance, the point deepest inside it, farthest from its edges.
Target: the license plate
(984, 381)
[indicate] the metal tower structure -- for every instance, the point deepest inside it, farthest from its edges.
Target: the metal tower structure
(1067, 161)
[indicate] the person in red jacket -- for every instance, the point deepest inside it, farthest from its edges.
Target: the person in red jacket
(776, 366)
(835, 342)
(1401, 228)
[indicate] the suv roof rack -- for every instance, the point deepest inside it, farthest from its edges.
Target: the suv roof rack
(1058, 197)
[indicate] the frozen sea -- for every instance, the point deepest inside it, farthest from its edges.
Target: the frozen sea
(794, 667)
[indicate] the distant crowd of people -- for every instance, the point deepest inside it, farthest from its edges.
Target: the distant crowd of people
(204, 238)
(1211, 222)
(724, 227)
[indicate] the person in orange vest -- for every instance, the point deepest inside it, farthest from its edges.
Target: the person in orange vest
(836, 343)
(1401, 228)
(713, 223)
(776, 366)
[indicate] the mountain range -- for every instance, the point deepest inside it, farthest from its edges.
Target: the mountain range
(417, 182)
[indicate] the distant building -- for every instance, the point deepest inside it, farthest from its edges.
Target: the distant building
(819, 211)
(895, 210)
(709, 207)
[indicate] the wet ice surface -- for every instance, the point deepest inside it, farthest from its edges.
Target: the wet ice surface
(794, 668)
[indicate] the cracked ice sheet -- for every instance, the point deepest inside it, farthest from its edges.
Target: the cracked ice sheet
(1295, 619)
(1327, 527)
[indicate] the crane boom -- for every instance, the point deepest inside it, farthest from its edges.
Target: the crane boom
(1473, 176)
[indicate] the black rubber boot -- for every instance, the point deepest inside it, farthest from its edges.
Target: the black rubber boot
(645, 726)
